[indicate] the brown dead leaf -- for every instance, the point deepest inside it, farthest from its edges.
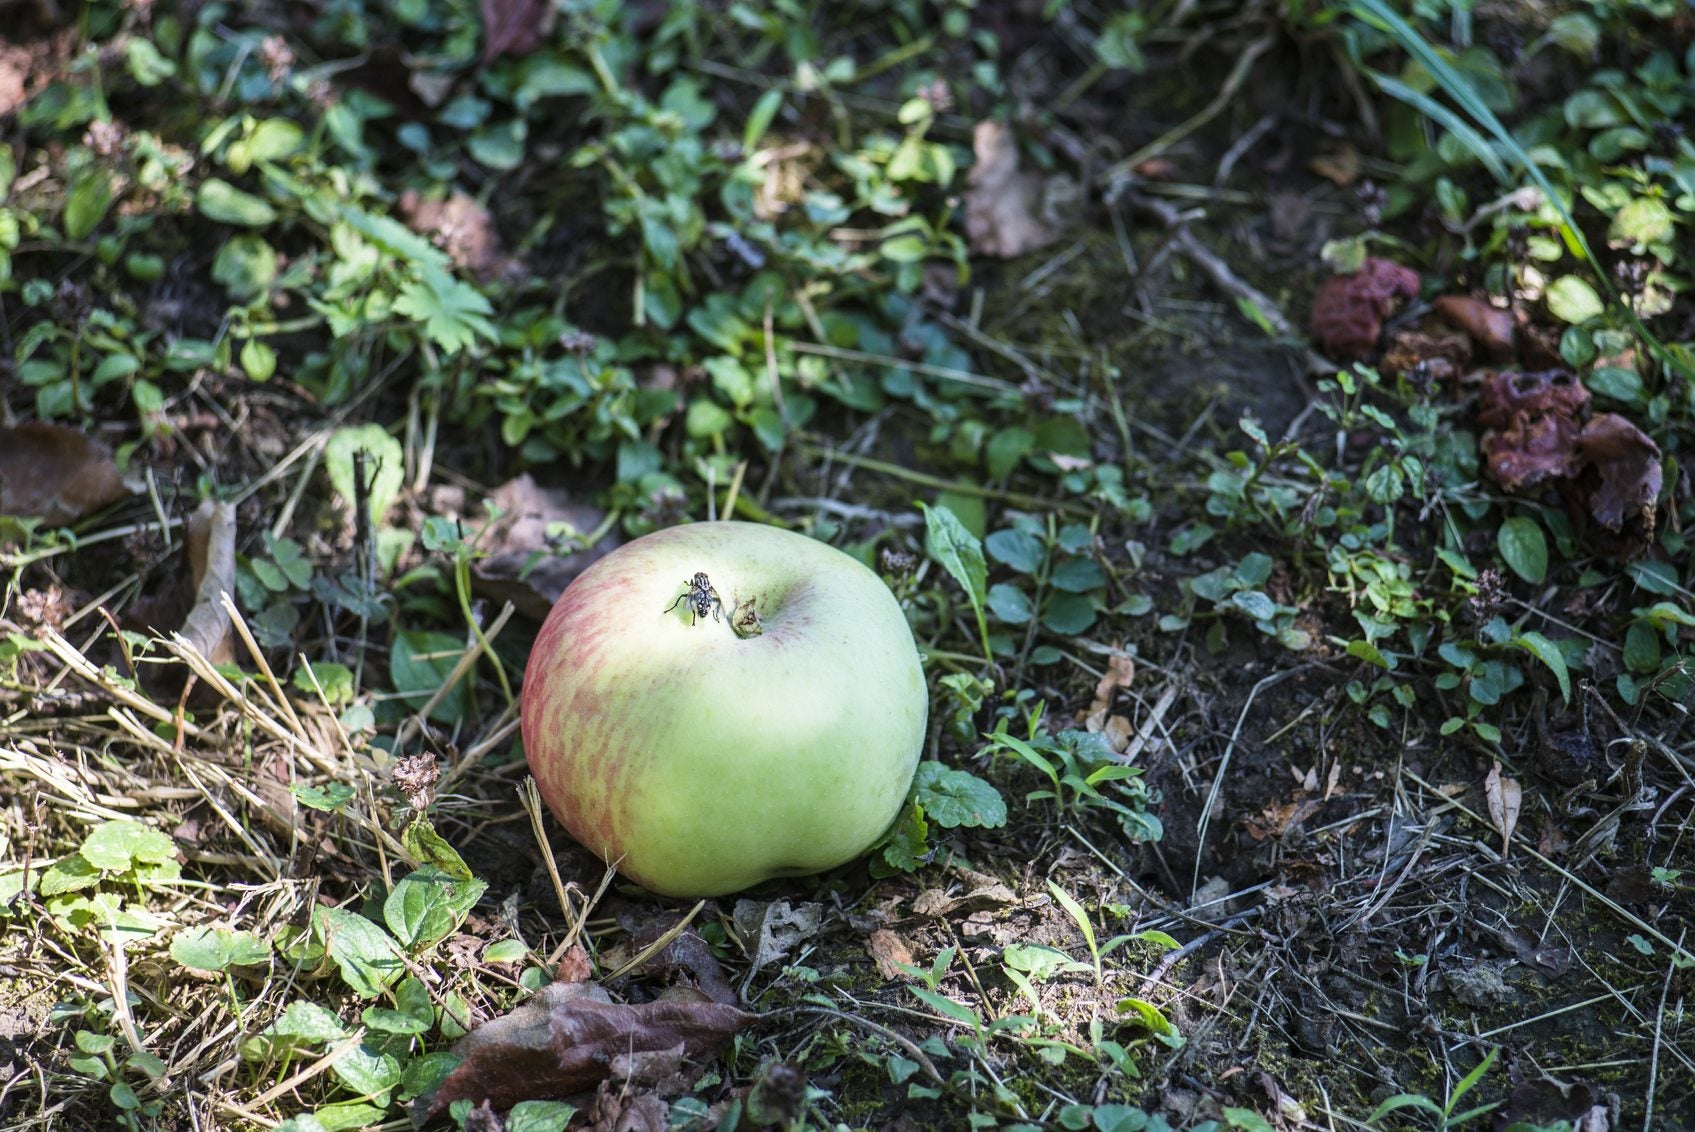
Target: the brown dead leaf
(1490, 328)
(56, 474)
(990, 894)
(1340, 165)
(1621, 473)
(568, 1037)
(617, 1110)
(1504, 796)
(14, 77)
(1277, 819)
(1435, 357)
(889, 951)
(514, 27)
(463, 229)
(769, 932)
(211, 557)
(522, 566)
(1002, 203)
(1120, 670)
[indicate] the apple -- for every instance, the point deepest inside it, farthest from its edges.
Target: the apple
(703, 735)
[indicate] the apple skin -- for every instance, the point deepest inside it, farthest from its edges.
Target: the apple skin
(700, 762)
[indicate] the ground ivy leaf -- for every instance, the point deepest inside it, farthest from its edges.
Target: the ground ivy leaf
(330, 797)
(68, 874)
(541, 1116)
(115, 845)
(217, 949)
(954, 798)
(419, 662)
(427, 904)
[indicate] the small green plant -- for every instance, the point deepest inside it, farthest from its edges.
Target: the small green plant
(1083, 774)
(1444, 1115)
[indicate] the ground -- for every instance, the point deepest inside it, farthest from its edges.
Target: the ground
(1301, 579)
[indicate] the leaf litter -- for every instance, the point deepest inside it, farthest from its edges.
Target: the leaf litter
(56, 474)
(571, 1037)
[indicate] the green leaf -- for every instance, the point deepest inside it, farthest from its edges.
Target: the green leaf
(430, 848)
(1078, 575)
(87, 201)
(905, 845)
(1549, 654)
(1572, 299)
(1068, 614)
(329, 798)
(350, 1114)
(947, 1006)
(419, 663)
(223, 202)
(370, 1071)
(68, 874)
(1010, 604)
(505, 951)
(387, 1020)
(367, 957)
(957, 551)
(539, 1116)
(1119, 1118)
(759, 119)
(115, 845)
(385, 466)
(954, 798)
(218, 949)
(1018, 549)
(1524, 548)
(427, 904)
(146, 64)
(454, 314)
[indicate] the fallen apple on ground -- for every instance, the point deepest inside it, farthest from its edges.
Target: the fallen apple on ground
(704, 735)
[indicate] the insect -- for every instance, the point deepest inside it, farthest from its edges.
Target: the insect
(702, 599)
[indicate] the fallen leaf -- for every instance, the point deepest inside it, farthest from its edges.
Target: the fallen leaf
(1503, 795)
(522, 565)
(14, 75)
(888, 950)
(1544, 1101)
(463, 229)
(770, 931)
(1002, 202)
(1620, 473)
(1552, 959)
(514, 27)
(1120, 670)
(936, 902)
(566, 1039)
(1490, 328)
(1340, 165)
(1277, 819)
(210, 544)
(616, 1110)
(1348, 310)
(56, 474)
(690, 952)
(1417, 353)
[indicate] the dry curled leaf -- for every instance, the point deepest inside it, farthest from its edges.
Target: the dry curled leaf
(888, 950)
(462, 228)
(568, 1038)
(1504, 797)
(1417, 353)
(1531, 451)
(1348, 310)
(1120, 671)
(56, 474)
(514, 27)
(1002, 202)
(523, 565)
(1490, 328)
(211, 559)
(770, 931)
(1620, 473)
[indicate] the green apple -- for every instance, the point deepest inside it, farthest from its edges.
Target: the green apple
(703, 735)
